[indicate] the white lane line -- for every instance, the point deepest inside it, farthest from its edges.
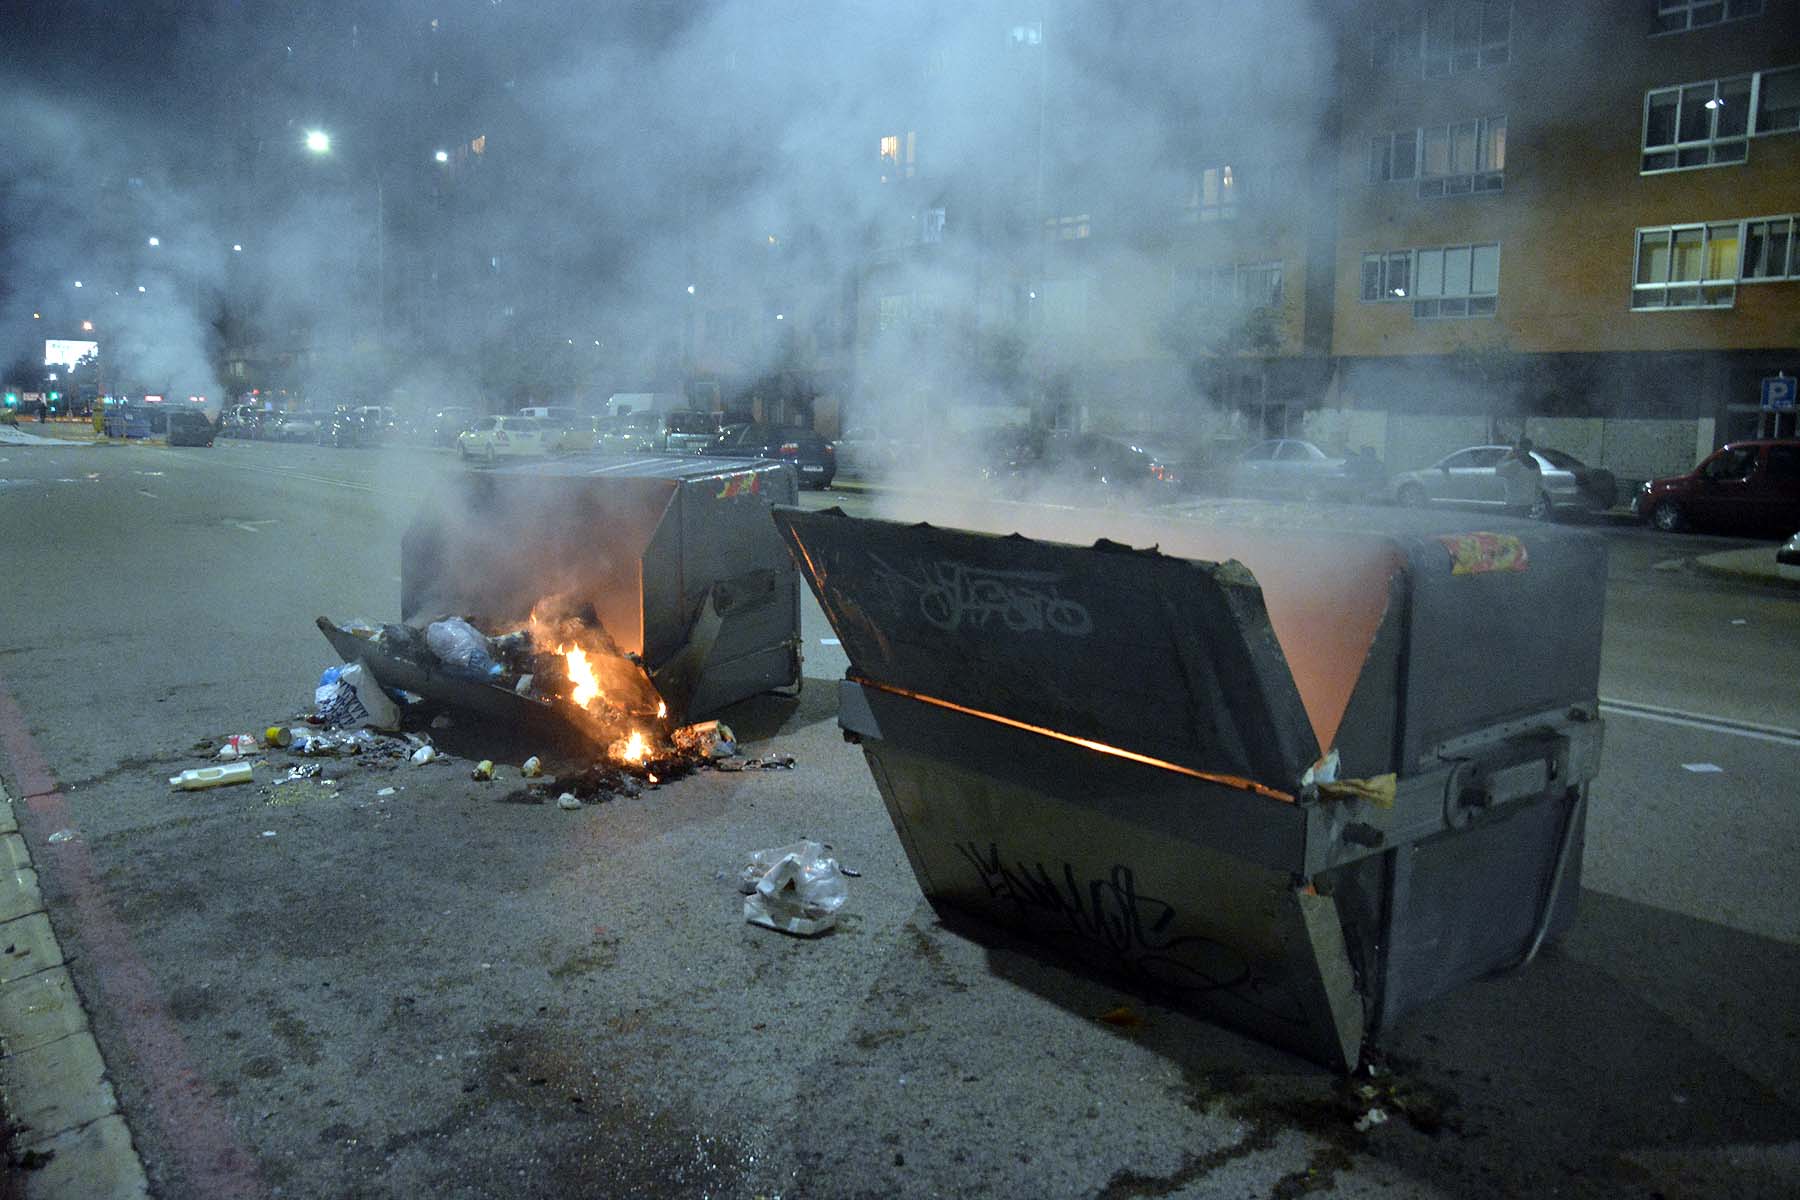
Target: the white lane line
(244, 525)
(152, 495)
(1711, 724)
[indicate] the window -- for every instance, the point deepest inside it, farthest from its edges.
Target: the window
(1251, 285)
(1700, 265)
(1686, 266)
(1679, 16)
(1783, 464)
(1211, 196)
(1387, 276)
(893, 311)
(1467, 35)
(1394, 156)
(1697, 125)
(899, 156)
(1396, 48)
(1259, 285)
(1066, 229)
(931, 225)
(1028, 34)
(1440, 282)
(1778, 101)
(1769, 249)
(1464, 158)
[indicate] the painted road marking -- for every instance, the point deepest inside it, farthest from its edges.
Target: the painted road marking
(1702, 721)
(152, 495)
(1703, 768)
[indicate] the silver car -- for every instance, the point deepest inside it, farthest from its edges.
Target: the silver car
(1471, 478)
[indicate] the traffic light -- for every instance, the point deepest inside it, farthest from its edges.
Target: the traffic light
(55, 396)
(12, 399)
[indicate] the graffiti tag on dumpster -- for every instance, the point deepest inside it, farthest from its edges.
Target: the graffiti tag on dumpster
(952, 595)
(1110, 913)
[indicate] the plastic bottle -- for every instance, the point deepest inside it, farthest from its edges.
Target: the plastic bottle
(206, 777)
(462, 649)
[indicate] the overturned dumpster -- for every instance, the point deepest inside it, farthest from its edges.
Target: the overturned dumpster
(673, 562)
(1303, 781)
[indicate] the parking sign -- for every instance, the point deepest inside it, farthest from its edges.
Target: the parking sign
(1778, 393)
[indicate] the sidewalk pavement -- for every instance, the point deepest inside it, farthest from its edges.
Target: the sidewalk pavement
(1754, 565)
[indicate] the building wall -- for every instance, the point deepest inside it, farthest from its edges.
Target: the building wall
(1573, 96)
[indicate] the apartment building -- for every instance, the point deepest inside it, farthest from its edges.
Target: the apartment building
(1568, 211)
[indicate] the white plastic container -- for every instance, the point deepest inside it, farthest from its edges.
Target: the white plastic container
(207, 777)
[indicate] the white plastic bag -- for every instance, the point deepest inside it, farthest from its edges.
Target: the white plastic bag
(349, 697)
(796, 889)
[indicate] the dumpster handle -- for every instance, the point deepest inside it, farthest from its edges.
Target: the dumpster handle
(1556, 878)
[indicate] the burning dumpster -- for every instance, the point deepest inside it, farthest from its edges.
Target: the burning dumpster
(664, 576)
(1300, 780)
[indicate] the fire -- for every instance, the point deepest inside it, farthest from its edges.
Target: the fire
(581, 674)
(662, 710)
(636, 748)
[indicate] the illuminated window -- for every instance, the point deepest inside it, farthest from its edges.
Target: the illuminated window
(1212, 195)
(1679, 16)
(899, 156)
(1463, 159)
(1700, 265)
(1066, 229)
(1029, 34)
(479, 145)
(1702, 124)
(1245, 285)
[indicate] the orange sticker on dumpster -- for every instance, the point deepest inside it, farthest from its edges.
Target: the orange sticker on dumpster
(1480, 553)
(748, 483)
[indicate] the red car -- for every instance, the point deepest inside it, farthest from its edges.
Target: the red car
(1753, 486)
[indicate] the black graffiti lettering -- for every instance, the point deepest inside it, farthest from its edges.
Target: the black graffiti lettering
(1135, 928)
(951, 595)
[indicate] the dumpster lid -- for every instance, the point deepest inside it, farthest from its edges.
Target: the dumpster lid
(1131, 649)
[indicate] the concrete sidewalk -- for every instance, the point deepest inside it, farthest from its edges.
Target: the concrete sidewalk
(1754, 565)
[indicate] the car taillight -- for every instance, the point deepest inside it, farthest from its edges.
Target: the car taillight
(791, 449)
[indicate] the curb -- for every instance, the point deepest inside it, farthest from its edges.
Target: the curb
(52, 1075)
(1772, 574)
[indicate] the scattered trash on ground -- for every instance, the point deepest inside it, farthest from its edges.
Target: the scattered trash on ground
(484, 770)
(795, 889)
(387, 791)
(61, 836)
(350, 697)
(531, 768)
(1370, 1119)
(568, 801)
(424, 754)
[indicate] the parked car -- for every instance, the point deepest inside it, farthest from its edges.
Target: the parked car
(688, 432)
(1789, 554)
(350, 427)
(631, 432)
(810, 453)
(1291, 469)
(297, 426)
(189, 427)
(555, 417)
(491, 438)
(1081, 468)
(1750, 486)
(578, 438)
(1471, 478)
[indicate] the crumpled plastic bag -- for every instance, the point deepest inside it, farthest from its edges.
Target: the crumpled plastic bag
(348, 697)
(795, 889)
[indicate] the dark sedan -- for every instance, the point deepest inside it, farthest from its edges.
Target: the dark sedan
(1087, 468)
(812, 455)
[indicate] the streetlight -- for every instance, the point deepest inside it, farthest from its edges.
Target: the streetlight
(318, 141)
(87, 327)
(237, 247)
(442, 156)
(156, 241)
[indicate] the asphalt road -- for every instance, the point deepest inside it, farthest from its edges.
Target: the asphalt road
(436, 993)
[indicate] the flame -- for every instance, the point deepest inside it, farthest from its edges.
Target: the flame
(636, 748)
(662, 710)
(581, 674)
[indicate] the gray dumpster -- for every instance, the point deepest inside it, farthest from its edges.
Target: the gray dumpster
(675, 556)
(1300, 779)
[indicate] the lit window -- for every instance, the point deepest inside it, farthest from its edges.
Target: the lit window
(1029, 34)
(1066, 229)
(1699, 265)
(1466, 158)
(1679, 16)
(899, 156)
(1246, 285)
(1212, 195)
